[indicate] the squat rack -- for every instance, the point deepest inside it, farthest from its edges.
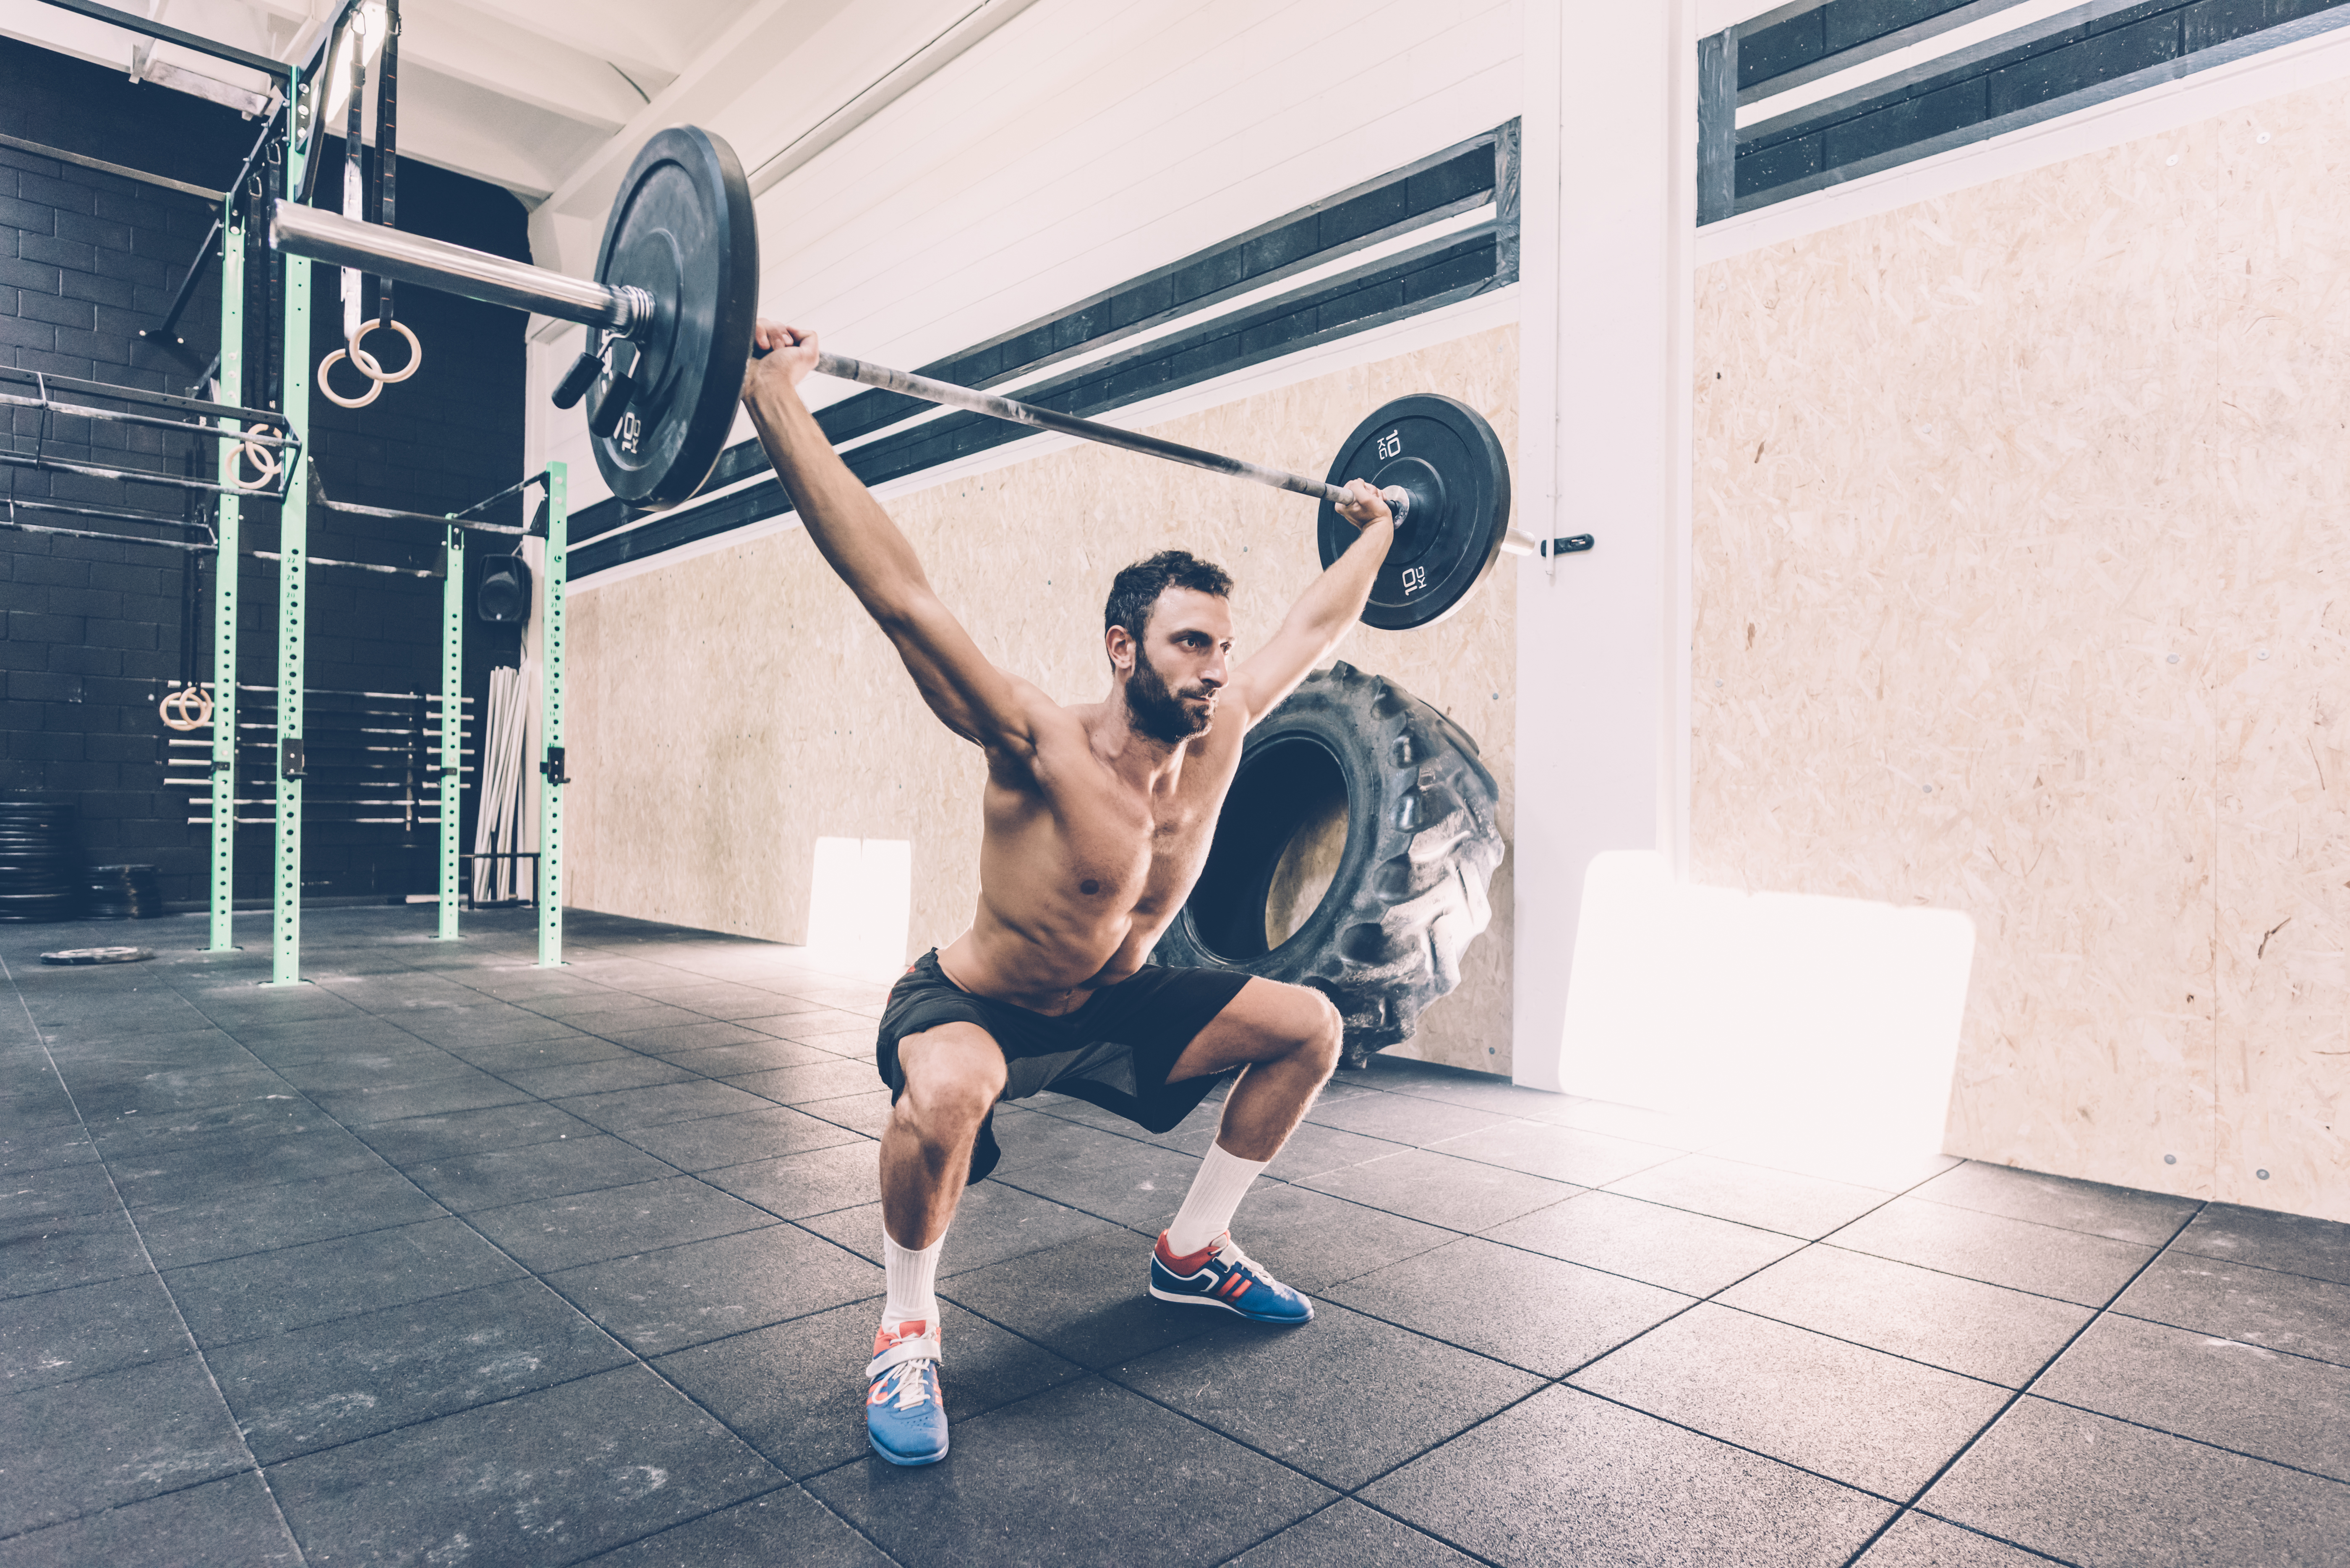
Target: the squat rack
(278, 439)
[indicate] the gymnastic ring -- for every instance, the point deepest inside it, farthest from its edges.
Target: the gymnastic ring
(177, 699)
(326, 387)
(415, 351)
(262, 458)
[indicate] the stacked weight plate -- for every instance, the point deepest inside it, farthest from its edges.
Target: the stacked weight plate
(40, 858)
(122, 893)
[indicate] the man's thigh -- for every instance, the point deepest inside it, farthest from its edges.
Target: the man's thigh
(1265, 1020)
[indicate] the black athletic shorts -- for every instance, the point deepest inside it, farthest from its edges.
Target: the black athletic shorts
(1114, 1051)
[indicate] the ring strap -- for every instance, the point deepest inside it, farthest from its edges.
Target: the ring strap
(925, 1348)
(387, 141)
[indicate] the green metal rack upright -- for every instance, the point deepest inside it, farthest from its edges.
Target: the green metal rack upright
(550, 664)
(224, 602)
(453, 722)
(293, 578)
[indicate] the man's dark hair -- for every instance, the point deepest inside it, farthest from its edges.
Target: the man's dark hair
(1135, 589)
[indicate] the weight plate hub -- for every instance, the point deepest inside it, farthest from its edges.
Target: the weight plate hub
(683, 230)
(1446, 456)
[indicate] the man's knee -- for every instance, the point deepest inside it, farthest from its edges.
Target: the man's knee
(950, 1084)
(1323, 1033)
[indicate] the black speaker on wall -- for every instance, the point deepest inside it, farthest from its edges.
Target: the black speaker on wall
(502, 596)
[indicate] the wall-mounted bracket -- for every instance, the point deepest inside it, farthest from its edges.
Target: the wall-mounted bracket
(290, 762)
(1572, 545)
(553, 766)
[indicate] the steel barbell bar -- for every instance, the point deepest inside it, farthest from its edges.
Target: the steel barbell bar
(628, 311)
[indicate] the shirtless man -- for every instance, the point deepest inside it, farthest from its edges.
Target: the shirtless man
(1097, 820)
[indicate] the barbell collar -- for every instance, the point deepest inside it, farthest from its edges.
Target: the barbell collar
(453, 269)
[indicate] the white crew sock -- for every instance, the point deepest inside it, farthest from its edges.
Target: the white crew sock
(913, 1278)
(1216, 1191)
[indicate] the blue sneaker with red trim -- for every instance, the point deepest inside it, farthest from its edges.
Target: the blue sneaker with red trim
(1221, 1275)
(905, 1415)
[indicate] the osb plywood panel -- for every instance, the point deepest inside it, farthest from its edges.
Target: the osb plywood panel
(733, 709)
(1971, 476)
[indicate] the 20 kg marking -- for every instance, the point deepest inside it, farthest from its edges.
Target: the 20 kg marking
(1391, 445)
(1414, 579)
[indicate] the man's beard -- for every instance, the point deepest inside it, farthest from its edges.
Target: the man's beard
(1157, 712)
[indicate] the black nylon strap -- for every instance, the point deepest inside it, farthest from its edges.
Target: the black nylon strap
(387, 141)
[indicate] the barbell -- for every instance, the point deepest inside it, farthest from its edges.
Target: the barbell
(676, 289)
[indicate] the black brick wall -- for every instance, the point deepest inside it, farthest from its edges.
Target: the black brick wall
(95, 629)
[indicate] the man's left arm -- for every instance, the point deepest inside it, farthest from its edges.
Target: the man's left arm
(1324, 612)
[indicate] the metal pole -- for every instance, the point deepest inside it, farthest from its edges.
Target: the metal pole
(293, 581)
(224, 585)
(550, 664)
(453, 699)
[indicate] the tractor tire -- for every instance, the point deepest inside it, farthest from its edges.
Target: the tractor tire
(1406, 883)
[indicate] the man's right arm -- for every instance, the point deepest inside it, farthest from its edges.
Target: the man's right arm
(973, 698)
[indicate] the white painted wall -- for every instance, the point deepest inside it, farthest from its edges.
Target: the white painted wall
(1076, 147)
(1603, 638)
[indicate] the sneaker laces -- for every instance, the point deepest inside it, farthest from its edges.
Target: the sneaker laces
(905, 1383)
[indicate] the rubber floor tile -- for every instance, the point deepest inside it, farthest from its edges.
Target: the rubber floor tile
(1573, 1154)
(229, 1521)
(1440, 1190)
(470, 1091)
(2219, 1391)
(677, 1296)
(1029, 1138)
(153, 1174)
(679, 1038)
(77, 1447)
(550, 1478)
(1854, 1415)
(705, 1143)
(564, 1233)
(509, 1057)
(993, 1223)
(796, 1392)
(1691, 1253)
(1536, 1312)
(1752, 1195)
(1454, 1085)
(377, 1371)
(415, 1063)
(2070, 1265)
(757, 1054)
(1567, 1478)
(660, 1104)
(2090, 1490)
(258, 1218)
(2235, 1301)
(275, 1292)
(1312, 1241)
(1310, 1151)
(786, 1526)
(49, 1252)
(1138, 1185)
(1088, 1302)
(1989, 1332)
(568, 1165)
(569, 1079)
(1402, 1119)
(59, 1335)
(45, 1149)
(1076, 1476)
(868, 1113)
(420, 1140)
(1285, 1392)
(1347, 1535)
(2291, 1243)
(1915, 1541)
(800, 1185)
(827, 1080)
(56, 1194)
(471, 1031)
(159, 1094)
(2149, 1219)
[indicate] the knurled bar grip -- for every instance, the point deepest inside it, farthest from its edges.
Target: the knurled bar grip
(980, 402)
